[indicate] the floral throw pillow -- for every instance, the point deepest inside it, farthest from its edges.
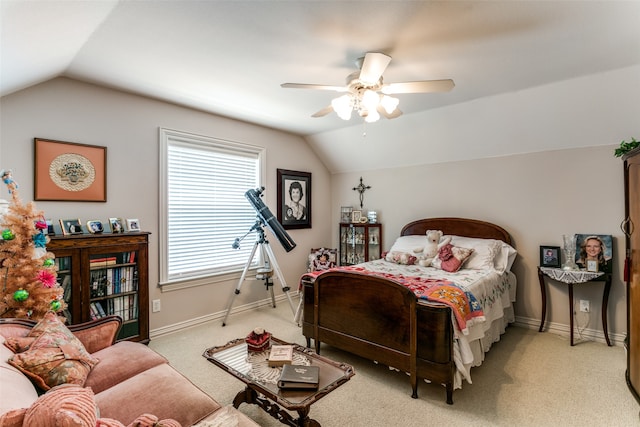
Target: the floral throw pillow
(54, 357)
(450, 258)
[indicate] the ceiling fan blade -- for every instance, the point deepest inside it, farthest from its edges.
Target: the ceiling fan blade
(311, 86)
(425, 86)
(323, 112)
(396, 113)
(373, 66)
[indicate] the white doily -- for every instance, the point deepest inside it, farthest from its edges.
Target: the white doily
(570, 276)
(260, 370)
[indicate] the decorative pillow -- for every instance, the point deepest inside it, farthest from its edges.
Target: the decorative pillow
(321, 259)
(404, 258)
(55, 356)
(450, 258)
(409, 243)
(488, 253)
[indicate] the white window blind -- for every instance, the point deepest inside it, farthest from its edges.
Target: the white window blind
(204, 204)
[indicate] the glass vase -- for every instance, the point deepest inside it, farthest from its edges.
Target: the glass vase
(569, 252)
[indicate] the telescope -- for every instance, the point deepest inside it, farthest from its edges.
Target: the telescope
(266, 217)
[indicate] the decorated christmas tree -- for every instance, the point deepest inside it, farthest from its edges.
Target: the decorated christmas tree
(28, 279)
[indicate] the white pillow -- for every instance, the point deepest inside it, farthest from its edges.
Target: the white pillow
(487, 254)
(409, 243)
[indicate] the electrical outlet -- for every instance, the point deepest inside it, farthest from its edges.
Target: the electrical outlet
(584, 305)
(156, 305)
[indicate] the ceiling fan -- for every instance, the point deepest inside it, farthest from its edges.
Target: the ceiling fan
(367, 94)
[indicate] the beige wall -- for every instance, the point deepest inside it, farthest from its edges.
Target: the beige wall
(67, 110)
(536, 197)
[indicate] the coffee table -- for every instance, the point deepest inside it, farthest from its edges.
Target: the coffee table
(233, 357)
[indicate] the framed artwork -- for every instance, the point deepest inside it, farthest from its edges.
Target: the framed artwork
(70, 226)
(67, 171)
(95, 226)
(321, 259)
(294, 199)
(133, 225)
(116, 225)
(550, 256)
(356, 216)
(597, 248)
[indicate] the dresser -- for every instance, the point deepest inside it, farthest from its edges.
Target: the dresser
(632, 267)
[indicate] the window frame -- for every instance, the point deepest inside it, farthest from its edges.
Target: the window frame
(166, 138)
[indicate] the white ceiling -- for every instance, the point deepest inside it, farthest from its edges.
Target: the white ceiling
(230, 57)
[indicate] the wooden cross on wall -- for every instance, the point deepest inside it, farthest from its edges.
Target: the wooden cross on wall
(361, 188)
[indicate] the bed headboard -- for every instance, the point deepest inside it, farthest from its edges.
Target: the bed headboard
(459, 227)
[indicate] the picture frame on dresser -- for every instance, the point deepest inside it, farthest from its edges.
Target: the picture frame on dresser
(133, 225)
(116, 225)
(71, 226)
(550, 256)
(95, 226)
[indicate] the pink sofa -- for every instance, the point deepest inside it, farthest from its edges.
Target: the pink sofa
(129, 380)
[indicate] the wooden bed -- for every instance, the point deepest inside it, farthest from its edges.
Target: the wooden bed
(384, 321)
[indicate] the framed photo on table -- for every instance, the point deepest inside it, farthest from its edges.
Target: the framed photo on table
(594, 247)
(70, 226)
(68, 171)
(550, 256)
(133, 225)
(116, 225)
(294, 199)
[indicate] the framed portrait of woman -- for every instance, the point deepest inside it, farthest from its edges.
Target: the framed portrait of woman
(294, 199)
(594, 252)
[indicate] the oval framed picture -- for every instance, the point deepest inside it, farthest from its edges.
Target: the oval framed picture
(95, 226)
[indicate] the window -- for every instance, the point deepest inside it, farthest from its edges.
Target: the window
(202, 204)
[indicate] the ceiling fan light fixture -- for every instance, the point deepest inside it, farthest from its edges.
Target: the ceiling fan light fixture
(389, 103)
(342, 106)
(370, 100)
(371, 116)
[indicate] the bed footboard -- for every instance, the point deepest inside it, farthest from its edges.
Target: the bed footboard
(380, 320)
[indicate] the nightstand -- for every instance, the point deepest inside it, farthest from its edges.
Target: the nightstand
(571, 278)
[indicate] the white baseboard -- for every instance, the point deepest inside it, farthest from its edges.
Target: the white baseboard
(164, 330)
(564, 330)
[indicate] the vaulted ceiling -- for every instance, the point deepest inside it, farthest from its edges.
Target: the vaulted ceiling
(230, 57)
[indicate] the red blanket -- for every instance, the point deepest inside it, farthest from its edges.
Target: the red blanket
(466, 308)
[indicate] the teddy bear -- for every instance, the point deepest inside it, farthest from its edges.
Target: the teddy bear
(429, 251)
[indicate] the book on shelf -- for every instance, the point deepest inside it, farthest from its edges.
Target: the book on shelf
(299, 377)
(101, 312)
(280, 355)
(102, 262)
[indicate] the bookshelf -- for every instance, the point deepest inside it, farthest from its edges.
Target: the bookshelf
(105, 274)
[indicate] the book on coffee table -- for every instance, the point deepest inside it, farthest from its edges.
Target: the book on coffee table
(280, 355)
(299, 377)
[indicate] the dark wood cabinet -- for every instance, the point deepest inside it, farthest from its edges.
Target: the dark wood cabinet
(632, 267)
(104, 274)
(360, 242)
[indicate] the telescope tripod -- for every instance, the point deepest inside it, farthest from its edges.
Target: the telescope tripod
(265, 273)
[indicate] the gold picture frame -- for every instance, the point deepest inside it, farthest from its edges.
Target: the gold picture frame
(68, 171)
(71, 226)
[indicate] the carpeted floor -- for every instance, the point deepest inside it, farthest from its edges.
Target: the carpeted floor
(528, 379)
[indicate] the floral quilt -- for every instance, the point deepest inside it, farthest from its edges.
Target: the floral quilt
(466, 308)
